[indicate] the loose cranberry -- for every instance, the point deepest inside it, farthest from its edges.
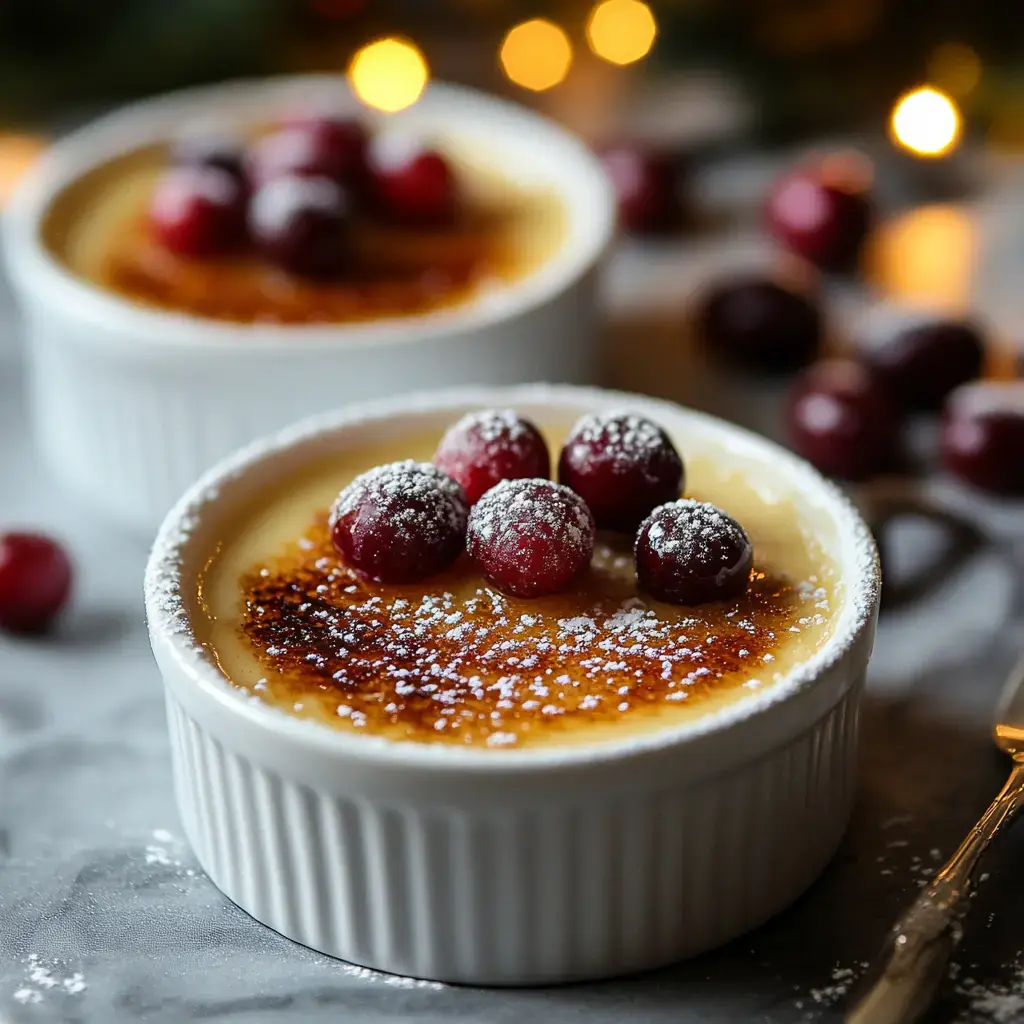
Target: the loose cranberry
(841, 418)
(412, 184)
(923, 363)
(199, 211)
(400, 523)
(982, 438)
(761, 325)
(484, 448)
(208, 150)
(622, 466)
(689, 552)
(35, 581)
(646, 184)
(530, 537)
(319, 147)
(302, 225)
(825, 222)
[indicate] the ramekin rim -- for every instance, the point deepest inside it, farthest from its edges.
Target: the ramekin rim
(169, 625)
(72, 156)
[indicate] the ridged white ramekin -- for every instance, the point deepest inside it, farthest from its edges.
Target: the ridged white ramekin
(510, 867)
(131, 404)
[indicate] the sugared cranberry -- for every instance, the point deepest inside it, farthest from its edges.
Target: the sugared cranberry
(411, 183)
(199, 211)
(982, 437)
(318, 147)
(761, 325)
(922, 363)
(208, 150)
(35, 581)
(689, 552)
(824, 221)
(530, 537)
(400, 523)
(841, 418)
(302, 225)
(484, 448)
(622, 465)
(646, 187)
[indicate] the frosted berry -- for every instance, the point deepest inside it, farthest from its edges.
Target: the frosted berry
(198, 211)
(302, 225)
(622, 465)
(484, 448)
(400, 523)
(316, 147)
(689, 552)
(412, 183)
(530, 537)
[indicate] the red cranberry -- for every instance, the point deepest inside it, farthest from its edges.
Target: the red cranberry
(302, 225)
(208, 150)
(646, 188)
(319, 147)
(840, 417)
(199, 211)
(530, 537)
(412, 184)
(761, 325)
(825, 222)
(400, 523)
(484, 448)
(622, 466)
(35, 581)
(982, 437)
(689, 552)
(922, 363)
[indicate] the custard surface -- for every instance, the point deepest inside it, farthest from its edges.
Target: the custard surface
(99, 228)
(452, 660)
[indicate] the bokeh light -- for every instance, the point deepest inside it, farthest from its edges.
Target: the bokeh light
(389, 74)
(926, 122)
(536, 54)
(956, 68)
(621, 31)
(17, 153)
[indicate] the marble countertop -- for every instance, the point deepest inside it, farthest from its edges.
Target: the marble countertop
(106, 918)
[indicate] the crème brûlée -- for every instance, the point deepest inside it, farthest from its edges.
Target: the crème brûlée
(502, 232)
(452, 660)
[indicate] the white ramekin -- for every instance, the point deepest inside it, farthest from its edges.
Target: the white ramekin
(509, 867)
(131, 404)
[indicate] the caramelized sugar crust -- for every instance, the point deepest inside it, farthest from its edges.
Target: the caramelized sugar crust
(453, 660)
(392, 273)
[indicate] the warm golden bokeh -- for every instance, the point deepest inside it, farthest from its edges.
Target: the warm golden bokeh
(926, 122)
(621, 31)
(17, 153)
(389, 74)
(956, 68)
(536, 54)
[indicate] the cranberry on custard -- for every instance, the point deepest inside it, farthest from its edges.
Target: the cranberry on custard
(689, 552)
(484, 448)
(530, 537)
(199, 211)
(622, 465)
(400, 523)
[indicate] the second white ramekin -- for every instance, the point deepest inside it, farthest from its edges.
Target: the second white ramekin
(131, 404)
(510, 867)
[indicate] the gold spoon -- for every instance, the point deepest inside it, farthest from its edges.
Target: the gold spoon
(912, 964)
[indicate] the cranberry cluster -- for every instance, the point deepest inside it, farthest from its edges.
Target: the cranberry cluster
(291, 194)
(488, 492)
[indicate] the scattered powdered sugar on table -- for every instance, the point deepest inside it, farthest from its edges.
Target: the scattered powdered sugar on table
(995, 1003)
(44, 978)
(839, 987)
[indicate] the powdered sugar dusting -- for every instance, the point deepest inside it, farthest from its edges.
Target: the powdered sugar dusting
(989, 398)
(531, 507)
(491, 426)
(48, 979)
(624, 439)
(697, 529)
(274, 204)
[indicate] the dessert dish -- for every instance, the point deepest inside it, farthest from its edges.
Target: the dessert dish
(557, 846)
(314, 221)
(513, 623)
(184, 293)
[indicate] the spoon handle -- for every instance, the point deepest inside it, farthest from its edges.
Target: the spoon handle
(912, 963)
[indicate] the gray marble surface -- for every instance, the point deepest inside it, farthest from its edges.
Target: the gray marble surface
(105, 917)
